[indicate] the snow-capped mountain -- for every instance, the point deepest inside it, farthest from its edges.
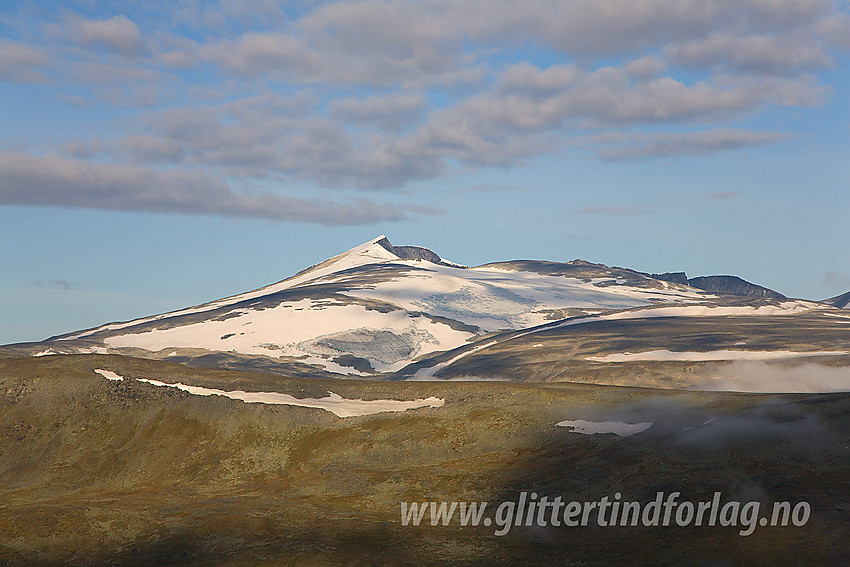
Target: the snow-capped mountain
(377, 309)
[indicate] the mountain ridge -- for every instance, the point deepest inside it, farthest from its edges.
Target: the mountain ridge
(376, 309)
(728, 285)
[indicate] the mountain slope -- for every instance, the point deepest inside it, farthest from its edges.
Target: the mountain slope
(373, 309)
(841, 301)
(385, 311)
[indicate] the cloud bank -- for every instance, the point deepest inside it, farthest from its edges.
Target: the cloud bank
(384, 94)
(56, 181)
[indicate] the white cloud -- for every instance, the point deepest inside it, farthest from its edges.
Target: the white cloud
(298, 60)
(529, 112)
(619, 147)
(118, 34)
(645, 68)
(376, 94)
(55, 181)
(260, 53)
(784, 54)
(835, 30)
(392, 112)
(584, 27)
(20, 63)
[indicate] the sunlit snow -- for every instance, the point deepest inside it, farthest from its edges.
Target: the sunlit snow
(333, 403)
(666, 355)
(109, 375)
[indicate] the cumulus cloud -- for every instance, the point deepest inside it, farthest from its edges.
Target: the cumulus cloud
(386, 141)
(118, 34)
(252, 141)
(259, 53)
(376, 94)
(55, 181)
(584, 27)
(392, 112)
(20, 63)
(785, 54)
(528, 97)
(293, 58)
(835, 30)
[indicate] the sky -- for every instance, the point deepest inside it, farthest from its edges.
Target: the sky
(159, 155)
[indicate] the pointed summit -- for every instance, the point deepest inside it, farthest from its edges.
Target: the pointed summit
(415, 253)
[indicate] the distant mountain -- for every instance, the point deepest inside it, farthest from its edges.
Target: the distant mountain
(727, 285)
(841, 301)
(677, 277)
(385, 311)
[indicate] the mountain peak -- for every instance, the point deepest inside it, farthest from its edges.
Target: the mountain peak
(408, 252)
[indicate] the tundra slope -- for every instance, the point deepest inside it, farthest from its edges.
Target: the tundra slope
(101, 466)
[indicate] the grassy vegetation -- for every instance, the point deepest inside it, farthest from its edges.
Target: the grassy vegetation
(94, 472)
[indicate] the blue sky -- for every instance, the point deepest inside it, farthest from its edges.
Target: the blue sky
(157, 157)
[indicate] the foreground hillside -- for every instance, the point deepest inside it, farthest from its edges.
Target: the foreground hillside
(102, 468)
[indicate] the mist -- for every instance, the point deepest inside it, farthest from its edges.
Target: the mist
(758, 376)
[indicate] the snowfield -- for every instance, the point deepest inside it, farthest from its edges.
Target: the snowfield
(498, 299)
(784, 308)
(309, 327)
(618, 428)
(667, 355)
(427, 308)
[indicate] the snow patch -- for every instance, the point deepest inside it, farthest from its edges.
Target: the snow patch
(47, 352)
(666, 355)
(619, 428)
(109, 375)
(838, 316)
(333, 403)
(784, 308)
(93, 350)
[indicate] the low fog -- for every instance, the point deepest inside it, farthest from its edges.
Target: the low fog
(758, 376)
